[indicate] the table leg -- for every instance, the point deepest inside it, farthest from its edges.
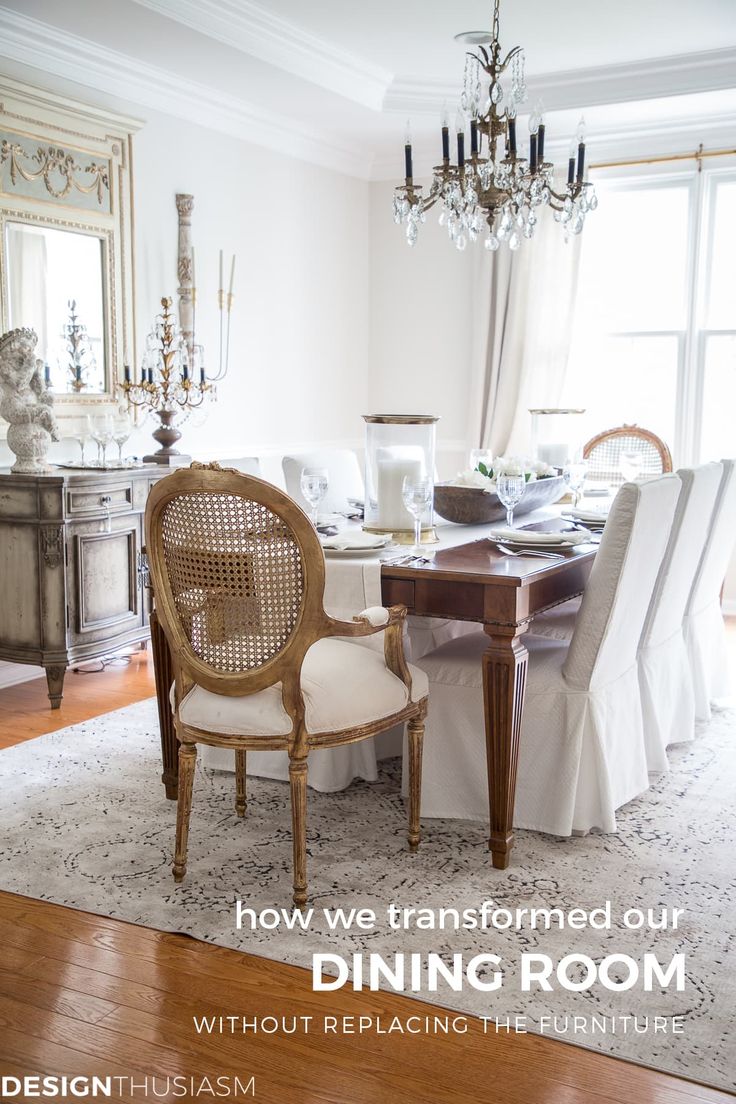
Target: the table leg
(164, 675)
(504, 680)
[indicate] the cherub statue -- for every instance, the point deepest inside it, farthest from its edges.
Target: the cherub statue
(25, 402)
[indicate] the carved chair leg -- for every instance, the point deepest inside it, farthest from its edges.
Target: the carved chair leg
(298, 785)
(240, 799)
(416, 739)
(187, 762)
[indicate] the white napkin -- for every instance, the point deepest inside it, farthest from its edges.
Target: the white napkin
(590, 515)
(345, 541)
(537, 536)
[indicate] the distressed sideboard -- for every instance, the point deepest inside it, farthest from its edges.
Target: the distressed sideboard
(70, 584)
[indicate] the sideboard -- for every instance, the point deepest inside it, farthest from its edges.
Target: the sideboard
(70, 569)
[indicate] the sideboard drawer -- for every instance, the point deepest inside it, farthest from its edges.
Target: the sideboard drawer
(84, 501)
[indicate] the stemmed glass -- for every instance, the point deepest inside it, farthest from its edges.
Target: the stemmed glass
(574, 474)
(510, 491)
(121, 430)
(630, 462)
(314, 483)
(417, 496)
(81, 436)
(102, 434)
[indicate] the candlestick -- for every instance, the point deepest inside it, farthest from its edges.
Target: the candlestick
(581, 162)
(540, 141)
(126, 372)
(232, 280)
(473, 136)
(408, 173)
(47, 375)
(512, 136)
(221, 284)
(445, 124)
(533, 152)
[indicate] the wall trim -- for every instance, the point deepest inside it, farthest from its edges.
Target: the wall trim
(53, 50)
(252, 29)
(653, 78)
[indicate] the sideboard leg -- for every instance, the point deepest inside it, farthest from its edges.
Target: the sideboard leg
(55, 683)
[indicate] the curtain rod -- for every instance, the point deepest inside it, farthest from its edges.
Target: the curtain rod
(698, 156)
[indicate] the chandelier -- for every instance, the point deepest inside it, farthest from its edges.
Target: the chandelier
(494, 187)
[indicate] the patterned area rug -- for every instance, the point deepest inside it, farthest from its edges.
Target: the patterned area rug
(85, 824)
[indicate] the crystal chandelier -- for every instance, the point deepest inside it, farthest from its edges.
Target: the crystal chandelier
(495, 188)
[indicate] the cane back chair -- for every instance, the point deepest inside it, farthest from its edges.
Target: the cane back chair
(603, 453)
(238, 577)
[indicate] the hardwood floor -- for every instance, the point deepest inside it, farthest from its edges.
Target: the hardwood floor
(82, 994)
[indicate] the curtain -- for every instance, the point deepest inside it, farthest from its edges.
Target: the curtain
(27, 282)
(524, 327)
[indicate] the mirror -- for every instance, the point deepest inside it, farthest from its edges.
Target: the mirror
(56, 286)
(66, 249)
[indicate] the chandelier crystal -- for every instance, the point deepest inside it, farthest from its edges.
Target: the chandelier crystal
(494, 189)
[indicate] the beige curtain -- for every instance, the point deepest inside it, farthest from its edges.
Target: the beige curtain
(524, 326)
(27, 281)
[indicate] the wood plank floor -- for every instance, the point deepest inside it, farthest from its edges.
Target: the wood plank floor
(82, 994)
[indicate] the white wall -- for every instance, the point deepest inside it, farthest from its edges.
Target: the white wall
(421, 326)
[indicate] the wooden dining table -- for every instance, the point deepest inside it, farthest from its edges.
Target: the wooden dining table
(475, 582)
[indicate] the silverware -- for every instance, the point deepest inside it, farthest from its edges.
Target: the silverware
(530, 552)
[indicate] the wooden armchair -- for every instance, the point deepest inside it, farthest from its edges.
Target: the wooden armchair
(603, 453)
(238, 576)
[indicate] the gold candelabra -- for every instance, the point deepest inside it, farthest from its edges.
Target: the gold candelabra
(167, 387)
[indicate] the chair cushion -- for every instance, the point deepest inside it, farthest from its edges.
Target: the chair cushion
(343, 684)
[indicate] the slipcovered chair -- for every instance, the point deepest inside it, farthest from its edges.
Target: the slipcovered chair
(582, 753)
(603, 453)
(344, 477)
(238, 576)
(248, 465)
(705, 632)
(667, 696)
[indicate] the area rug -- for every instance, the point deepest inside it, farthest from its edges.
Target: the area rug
(85, 824)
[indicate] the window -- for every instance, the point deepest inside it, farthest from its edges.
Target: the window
(654, 331)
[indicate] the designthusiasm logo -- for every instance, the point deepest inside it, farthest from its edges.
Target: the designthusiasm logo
(44, 1087)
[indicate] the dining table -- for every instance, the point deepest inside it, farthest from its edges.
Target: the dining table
(464, 577)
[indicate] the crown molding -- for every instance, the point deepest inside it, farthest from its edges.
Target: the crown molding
(656, 78)
(253, 30)
(52, 50)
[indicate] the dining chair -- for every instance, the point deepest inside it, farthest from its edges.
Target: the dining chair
(665, 678)
(581, 754)
(344, 477)
(705, 633)
(238, 577)
(603, 453)
(248, 465)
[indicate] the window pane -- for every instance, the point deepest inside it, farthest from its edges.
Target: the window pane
(634, 259)
(721, 306)
(625, 380)
(718, 436)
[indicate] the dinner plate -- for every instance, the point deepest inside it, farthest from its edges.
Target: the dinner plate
(514, 542)
(353, 553)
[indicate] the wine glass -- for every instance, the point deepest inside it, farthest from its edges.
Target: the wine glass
(121, 430)
(81, 434)
(510, 491)
(629, 463)
(314, 483)
(481, 456)
(574, 474)
(102, 433)
(416, 493)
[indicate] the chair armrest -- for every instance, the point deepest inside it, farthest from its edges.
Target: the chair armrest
(369, 622)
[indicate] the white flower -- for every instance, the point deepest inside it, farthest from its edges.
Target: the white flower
(512, 465)
(541, 469)
(470, 478)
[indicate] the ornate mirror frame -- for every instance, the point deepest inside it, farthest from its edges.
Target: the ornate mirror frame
(67, 165)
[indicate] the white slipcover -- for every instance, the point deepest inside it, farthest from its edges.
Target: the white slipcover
(667, 697)
(704, 628)
(343, 474)
(582, 750)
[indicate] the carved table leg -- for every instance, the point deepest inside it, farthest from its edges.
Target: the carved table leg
(504, 680)
(164, 674)
(55, 683)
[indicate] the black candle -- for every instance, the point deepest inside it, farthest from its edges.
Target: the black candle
(150, 375)
(126, 371)
(581, 161)
(47, 375)
(79, 371)
(202, 376)
(185, 370)
(571, 171)
(460, 149)
(445, 143)
(540, 141)
(533, 152)
(512, 137)
(473, 136)
(408, 173)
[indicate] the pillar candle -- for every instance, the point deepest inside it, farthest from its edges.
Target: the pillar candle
(392, 513)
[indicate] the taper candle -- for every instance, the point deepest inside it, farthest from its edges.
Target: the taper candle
(232, 276)
(221, 286)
